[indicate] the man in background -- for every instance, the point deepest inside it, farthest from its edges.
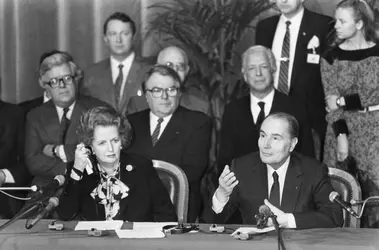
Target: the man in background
(116, 79)
(298, 37)
(175, 58)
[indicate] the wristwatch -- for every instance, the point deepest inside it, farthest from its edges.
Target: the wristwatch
(54, 151)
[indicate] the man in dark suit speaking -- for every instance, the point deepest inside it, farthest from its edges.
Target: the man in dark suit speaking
(296, 188)
(172, 133)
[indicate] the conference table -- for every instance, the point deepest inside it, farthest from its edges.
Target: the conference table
(40, 238)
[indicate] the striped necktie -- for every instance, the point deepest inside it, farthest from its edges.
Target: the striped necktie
(284, 62)
(117, 86)
(155, 135)
(65, 123)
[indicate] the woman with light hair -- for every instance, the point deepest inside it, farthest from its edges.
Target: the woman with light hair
(350, 74)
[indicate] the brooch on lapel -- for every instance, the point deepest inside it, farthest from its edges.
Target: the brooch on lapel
(139, 92)
(313, 57)
(129, 168)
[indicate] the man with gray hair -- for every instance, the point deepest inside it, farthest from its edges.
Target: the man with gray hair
(242, 118)
(51, 128)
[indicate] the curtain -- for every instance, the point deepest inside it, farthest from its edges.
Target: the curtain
(29, 28)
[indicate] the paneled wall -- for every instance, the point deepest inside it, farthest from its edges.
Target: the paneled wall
(30, 27)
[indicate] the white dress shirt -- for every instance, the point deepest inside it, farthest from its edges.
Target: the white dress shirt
(154, 123)
(254, 107)
(218, 206)
(127, 63)
(278, 43)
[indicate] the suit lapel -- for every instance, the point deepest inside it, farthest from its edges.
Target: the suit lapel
(246, 112)
(128, 179)
(106, 80)
(260, 183)
(301, 47)
(131, 84)
(292, 186)
(71, 137)
(50, 121)
(271, 29)
(173, 128)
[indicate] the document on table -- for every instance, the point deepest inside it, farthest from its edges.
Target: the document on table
(157, 225)
(99, 225)
(140, 233)
(253, 230)
(144, 230)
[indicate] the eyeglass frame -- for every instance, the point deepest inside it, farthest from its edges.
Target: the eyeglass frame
(164, 90)
(60, 79)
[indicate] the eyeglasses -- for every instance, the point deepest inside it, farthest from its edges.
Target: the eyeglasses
(158, 92)
(182, 67)
(55, 82)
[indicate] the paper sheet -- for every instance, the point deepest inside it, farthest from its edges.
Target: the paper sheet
(158, 225)
(253, 230)
(99, 225)
(141, 233)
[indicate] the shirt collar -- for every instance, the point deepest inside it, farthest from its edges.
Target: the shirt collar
(281, 170)
(45, 97)
(127, 61)
(60, 109)
(155, 118)
(296, 20)
(267, 99)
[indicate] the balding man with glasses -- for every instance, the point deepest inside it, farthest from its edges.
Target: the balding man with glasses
(51, 128)
(169, 132)
(175, 58)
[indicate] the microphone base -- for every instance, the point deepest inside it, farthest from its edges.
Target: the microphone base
(180, 229)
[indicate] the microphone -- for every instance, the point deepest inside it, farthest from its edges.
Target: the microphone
(53, 203)
(52, 186)
(336, 198)
(262, 217)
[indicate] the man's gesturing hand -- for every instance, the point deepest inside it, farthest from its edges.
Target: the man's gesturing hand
(226, 183)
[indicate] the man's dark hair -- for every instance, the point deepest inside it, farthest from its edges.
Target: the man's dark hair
(164, 71)
(293, 124)
(121, 17)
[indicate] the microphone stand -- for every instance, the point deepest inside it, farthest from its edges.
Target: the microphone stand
(36, 207)
(279, 231)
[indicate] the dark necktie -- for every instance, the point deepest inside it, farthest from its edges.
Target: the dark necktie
(117, 86)
(284, 62)
(65, 123)
(261, 115)
(275, 191)
(154, 136)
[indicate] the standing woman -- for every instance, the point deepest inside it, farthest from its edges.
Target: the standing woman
(350, 73)
(122, 186)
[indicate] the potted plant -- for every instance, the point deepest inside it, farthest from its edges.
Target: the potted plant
(209, 31)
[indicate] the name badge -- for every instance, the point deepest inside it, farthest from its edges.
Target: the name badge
(313, 58)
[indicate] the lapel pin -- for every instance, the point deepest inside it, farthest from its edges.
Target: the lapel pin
(129, 168)
(139, 92)
(304, 33)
